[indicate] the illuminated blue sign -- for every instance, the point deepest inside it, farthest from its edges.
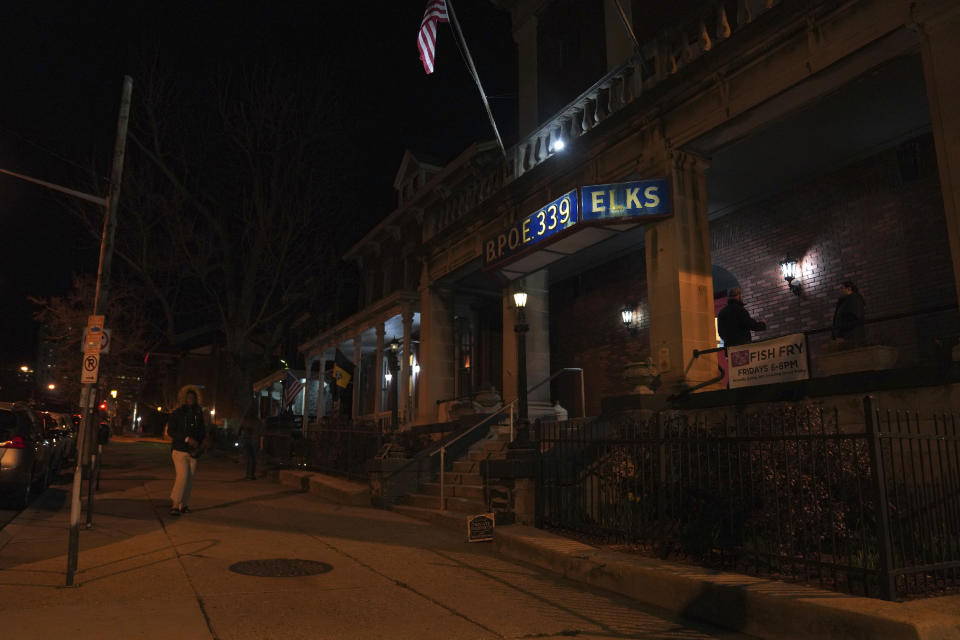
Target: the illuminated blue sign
(550, 220)
(641, 199)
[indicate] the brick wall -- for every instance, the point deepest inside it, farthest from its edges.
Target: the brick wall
(878, 222)
(586, 330)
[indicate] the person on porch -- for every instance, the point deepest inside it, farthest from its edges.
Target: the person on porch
(734, 323)
(848, 315)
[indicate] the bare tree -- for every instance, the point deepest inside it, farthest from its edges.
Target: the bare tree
(233, 210)
(63, 319)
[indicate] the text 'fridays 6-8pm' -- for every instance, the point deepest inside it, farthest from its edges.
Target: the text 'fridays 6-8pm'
(605, 203)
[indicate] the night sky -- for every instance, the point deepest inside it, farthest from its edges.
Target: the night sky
(61, 65)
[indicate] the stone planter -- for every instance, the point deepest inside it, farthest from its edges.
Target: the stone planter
(641, 375)
(872, 358)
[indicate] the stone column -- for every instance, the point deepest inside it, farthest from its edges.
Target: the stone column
(538, 343)
(619, 43)
(378, 371)
(357, 372)
(525, 36)
(436, 352)
(407, 318)
(679, 279)
(322, 409)
(938, 26)
(304, 419)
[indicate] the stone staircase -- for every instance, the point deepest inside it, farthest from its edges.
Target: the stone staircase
(463, 485)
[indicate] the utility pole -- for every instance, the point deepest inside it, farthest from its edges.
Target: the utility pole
(88, 432)
(87, 435)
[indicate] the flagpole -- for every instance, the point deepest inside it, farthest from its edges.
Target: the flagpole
(473, 72)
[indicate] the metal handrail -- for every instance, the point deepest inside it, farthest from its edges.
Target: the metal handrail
(443, 445)
(440, 447)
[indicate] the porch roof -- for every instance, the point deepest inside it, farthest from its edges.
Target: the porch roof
(367, 317)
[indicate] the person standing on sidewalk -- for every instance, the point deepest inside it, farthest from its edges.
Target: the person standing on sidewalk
(734, 323)
(188, 431)
(251, 439)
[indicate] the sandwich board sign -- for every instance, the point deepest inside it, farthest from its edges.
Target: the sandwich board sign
(480, 528)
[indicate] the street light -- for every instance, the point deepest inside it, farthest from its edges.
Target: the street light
(521, 327)
(51, 386)
(113, 393)
(24, 368)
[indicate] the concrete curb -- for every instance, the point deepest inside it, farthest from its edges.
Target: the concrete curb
(339, 490)
(760, 607)
(296, 479)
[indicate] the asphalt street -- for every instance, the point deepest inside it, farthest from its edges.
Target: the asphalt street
(145, 574)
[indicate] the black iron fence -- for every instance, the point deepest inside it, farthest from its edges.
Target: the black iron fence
(786, 492)
(341, 449)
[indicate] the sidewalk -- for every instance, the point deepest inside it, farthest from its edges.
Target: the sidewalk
(145, 575)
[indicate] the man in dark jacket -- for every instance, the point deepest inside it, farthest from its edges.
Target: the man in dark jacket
(187, 430)
(849, 314)
(734, 324)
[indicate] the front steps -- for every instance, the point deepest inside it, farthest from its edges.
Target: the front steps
(463, 489)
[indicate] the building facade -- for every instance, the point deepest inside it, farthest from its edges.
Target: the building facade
(823, 130)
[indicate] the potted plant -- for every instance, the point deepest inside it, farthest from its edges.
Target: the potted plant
(642, 374)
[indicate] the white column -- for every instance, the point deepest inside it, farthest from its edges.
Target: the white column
(407, 317)
(357, 371)
(322, 409)
(305, 391)
(378, 371)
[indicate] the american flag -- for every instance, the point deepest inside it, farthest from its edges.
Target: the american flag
(291, 389)
(427, 41)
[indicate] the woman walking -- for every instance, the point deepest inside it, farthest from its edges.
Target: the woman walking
(188, 430)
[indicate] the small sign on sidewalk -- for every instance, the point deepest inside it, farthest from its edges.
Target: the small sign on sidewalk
(480, 528)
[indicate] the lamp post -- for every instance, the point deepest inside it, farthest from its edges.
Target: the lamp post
(522, 441)
(393, 366)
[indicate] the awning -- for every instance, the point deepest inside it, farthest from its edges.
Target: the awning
(273, 378)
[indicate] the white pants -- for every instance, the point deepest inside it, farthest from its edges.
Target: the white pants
(186, 466)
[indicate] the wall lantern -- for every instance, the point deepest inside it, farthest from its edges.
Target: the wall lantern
(520, 298)
(113, 393)
(790, 269)
(388, 377)
(630, 318)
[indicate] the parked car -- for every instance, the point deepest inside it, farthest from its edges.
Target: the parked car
(25, 453)
(58, 429)
(69, 427)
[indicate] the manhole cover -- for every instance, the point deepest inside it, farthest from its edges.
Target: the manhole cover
(280, 568)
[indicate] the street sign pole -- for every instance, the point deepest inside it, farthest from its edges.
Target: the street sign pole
(87, 433)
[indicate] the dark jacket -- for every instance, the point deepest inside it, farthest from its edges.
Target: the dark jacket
(734, 324)
(186, 422)
(251, 430)
(848, 318)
